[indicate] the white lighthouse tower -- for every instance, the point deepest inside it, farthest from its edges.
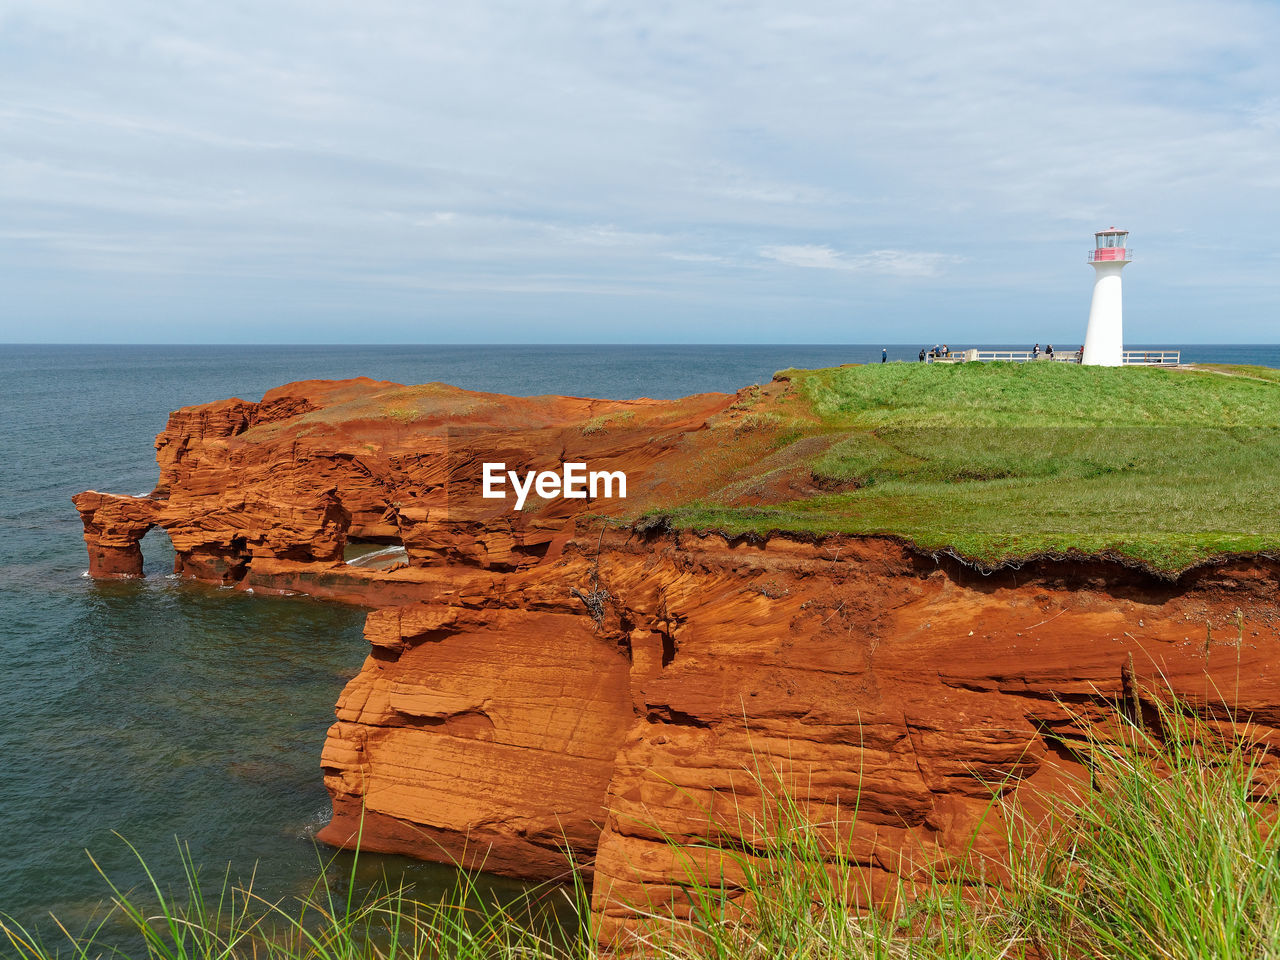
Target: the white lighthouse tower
(1104, 340)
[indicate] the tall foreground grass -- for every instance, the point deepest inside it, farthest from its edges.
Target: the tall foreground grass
(229, 921)
(1167, 848)
(1174, 853)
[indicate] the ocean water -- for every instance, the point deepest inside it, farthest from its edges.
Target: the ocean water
(164, 712)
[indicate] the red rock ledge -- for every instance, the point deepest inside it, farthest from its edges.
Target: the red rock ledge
(542, 687)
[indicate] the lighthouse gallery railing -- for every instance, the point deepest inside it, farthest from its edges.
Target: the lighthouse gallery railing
(1114, 254)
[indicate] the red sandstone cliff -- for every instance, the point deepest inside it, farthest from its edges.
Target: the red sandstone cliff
(319, 463)
(538, 689)
(497, 723)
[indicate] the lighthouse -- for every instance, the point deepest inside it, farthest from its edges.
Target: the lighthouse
(1104, 340)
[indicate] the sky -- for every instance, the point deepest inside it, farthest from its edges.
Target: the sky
(309, 171)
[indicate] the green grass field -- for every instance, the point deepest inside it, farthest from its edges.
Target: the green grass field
(1000, 461)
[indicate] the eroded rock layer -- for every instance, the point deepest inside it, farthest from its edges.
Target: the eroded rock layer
(549, 687)
(883, 691)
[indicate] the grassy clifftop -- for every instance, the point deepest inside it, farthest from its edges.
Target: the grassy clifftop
(999, 461)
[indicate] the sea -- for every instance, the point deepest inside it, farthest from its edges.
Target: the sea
(158, 719)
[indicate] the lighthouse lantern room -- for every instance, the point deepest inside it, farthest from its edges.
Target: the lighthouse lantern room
(1104, 340)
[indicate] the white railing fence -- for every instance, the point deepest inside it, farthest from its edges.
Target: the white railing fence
(1010, 356)
(1154, 357)
(1167, 358)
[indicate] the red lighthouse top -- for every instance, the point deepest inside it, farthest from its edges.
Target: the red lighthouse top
(1112, 244)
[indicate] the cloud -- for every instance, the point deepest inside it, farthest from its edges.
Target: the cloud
(895, 263)
(491, 146)
(698, 258)
(596, 235)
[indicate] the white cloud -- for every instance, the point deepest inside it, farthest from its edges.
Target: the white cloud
(895, 263)
(805, 255)
(491, 145)
(697, 258)
(601, 236)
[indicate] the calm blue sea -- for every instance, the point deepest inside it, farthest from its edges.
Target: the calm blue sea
(167, 712)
